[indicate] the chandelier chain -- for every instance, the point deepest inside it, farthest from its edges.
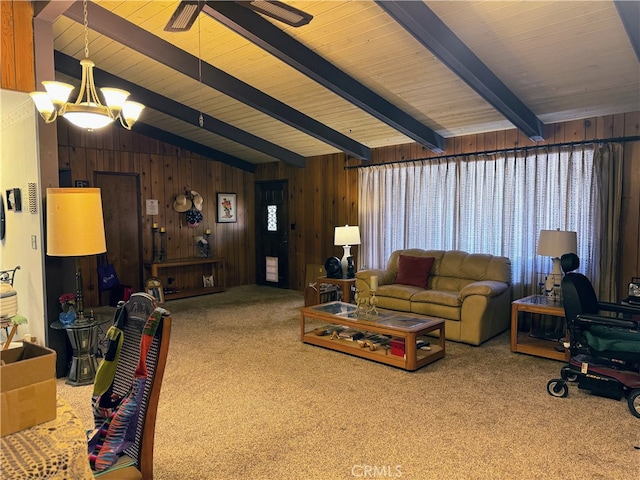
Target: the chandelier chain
(86, 30)
(200, 117)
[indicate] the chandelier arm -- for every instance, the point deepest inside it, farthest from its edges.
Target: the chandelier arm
(92, 93)
(63, 110)
(83, 85)
(124, 123)
(51, 118)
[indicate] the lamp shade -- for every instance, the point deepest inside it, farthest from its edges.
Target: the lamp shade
(75, 225)
(555, 243)
(346, 235)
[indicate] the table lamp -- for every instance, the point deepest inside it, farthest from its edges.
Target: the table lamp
(554, 244)
(75, 228)
(346, 236)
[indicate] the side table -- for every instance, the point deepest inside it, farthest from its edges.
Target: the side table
(345, 285)
(84, 342)
(537, 308)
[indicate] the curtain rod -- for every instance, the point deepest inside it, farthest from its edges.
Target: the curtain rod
(503, 150)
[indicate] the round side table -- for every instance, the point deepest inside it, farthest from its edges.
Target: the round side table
(84, 342)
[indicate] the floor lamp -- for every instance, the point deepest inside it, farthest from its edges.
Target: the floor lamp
(75, 228)
(554, 244)
(346, 236)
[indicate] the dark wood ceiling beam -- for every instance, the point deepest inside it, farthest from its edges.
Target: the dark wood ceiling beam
(267, 36)
(195, 147)
(629, 12)
(49, 11)
(70, 66)
(136, 38)
(421, 22)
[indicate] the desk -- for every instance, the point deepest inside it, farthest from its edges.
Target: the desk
(55, 449)
(84, 341)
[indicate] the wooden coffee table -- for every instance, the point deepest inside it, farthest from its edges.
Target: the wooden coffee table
(402, 327)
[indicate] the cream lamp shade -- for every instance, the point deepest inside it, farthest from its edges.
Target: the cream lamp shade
(554, 244)
(75, 225)
(346, 236)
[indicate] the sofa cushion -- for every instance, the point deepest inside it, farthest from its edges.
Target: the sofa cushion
(438, 297)
(414, 270)
(404, 292)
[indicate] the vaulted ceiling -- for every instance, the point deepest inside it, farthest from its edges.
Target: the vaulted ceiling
(359, 75)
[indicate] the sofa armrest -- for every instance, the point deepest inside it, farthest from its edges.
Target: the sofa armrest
(385, 277)
(487, 288)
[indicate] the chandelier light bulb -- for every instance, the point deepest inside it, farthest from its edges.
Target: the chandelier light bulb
(44, 105)
(114, 97)
(58, 92)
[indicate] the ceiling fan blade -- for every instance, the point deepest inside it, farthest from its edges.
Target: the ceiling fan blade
(280, 11)
(184, 16)
(188, 10)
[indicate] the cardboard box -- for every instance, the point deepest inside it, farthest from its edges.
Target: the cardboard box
(27, 387)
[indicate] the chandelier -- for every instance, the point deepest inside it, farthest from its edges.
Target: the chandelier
(87, 111)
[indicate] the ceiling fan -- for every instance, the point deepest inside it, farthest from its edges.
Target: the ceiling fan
(188, 10)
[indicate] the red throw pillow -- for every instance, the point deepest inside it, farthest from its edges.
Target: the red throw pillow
(414, 270)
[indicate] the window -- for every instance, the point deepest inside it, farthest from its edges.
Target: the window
(493, 204)
(272, 218)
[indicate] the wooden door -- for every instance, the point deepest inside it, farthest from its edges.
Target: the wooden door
(122, 212)
(272, 234)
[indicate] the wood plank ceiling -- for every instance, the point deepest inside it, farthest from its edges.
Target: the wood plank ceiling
(369, 74)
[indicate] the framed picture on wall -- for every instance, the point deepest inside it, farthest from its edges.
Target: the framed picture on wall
(153, 286)
(227, 211)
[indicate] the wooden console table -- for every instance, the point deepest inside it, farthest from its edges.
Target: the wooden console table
(217, 263)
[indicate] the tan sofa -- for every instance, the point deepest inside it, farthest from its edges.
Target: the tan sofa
(472, 292)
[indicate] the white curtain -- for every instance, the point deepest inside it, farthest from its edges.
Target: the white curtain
(493, 204)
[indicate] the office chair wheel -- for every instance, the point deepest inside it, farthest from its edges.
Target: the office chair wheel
(634, 402)
(568, 374)
(557, 388)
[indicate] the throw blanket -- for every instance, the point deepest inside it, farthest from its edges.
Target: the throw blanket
(116, 417)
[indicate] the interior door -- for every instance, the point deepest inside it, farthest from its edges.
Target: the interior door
(122, 211)
(272, 234)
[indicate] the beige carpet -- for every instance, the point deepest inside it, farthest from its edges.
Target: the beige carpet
(243, 398)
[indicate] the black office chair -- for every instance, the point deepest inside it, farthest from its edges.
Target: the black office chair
(604, 342)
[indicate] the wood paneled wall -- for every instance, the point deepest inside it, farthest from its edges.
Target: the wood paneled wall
(324, 195)
(166, 171)
(16, 48)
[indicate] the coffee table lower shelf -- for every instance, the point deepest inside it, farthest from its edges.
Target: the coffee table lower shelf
(423, 357)
(413, 359)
